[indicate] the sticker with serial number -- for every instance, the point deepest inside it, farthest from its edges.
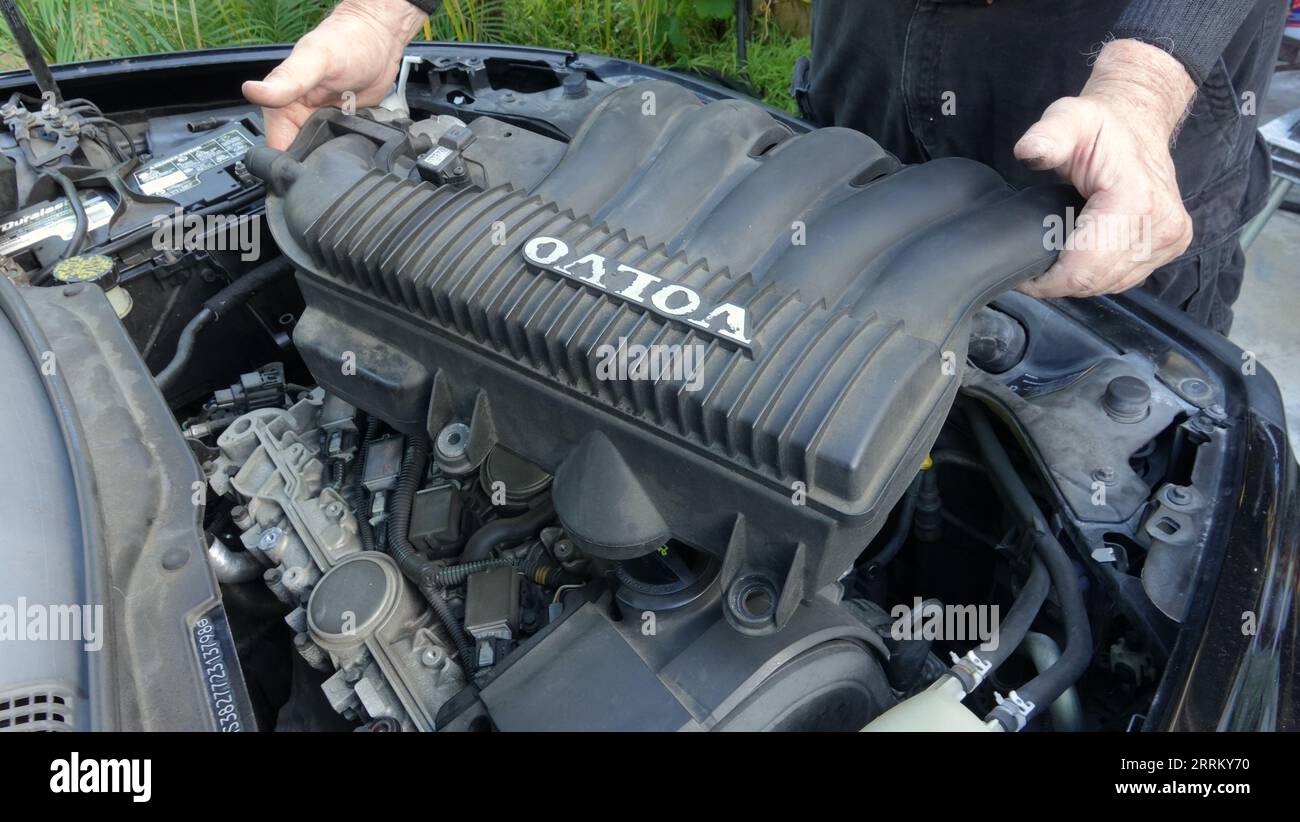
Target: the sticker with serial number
(219, 671)
(181, 172)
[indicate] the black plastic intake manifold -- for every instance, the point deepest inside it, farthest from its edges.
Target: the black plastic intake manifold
(824, 291)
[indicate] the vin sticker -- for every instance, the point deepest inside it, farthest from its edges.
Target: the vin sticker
(181, 172)
(219, 672)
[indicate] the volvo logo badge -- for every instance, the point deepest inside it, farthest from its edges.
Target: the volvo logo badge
(667, 299)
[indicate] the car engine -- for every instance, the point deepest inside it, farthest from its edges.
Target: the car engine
(452, 293)
(565, 403)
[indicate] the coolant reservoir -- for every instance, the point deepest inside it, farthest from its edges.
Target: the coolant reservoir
(938, 708)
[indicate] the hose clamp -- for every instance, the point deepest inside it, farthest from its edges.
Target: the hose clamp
(1016, 708)
(971, 668)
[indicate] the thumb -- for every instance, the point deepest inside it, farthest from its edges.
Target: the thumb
(1050, 142)
(301, 72)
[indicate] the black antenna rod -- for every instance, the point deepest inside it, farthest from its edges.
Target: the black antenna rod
(31, 52)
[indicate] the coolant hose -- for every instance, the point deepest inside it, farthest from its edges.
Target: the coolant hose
(232, 296)
(1067, 712)
(511, 529)
(1013, 630)
(414, 565)
(1047, 687)
(1044, 689)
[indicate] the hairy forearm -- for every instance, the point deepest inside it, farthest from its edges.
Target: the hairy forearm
(1144, 80)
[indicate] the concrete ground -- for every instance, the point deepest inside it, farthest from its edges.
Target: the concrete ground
(1268, 311)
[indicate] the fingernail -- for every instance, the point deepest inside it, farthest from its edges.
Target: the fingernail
(1034, 151)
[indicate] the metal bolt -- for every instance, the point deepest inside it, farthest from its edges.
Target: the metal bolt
(1178, 494)
(1105, 475)
(270, 538)
(432, 657)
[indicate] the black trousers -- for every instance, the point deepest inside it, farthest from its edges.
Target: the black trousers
(931, 78)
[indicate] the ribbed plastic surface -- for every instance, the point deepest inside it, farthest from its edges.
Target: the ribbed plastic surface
(427, 249)
(36, 708)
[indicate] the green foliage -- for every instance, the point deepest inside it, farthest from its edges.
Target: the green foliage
(696, 35)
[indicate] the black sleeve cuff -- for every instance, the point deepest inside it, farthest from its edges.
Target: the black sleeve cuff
(426, 6)
(1194, 32)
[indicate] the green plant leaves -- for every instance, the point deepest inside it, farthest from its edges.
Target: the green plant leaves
(715, 9)
(692, 34)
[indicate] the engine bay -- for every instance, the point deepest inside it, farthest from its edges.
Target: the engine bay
(540, 400)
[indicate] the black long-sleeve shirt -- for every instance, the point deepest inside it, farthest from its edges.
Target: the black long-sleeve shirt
(1195, 32)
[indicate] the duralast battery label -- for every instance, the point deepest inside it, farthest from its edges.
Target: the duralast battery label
(172, 175)
(52, 219)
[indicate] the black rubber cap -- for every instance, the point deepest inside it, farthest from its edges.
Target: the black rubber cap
(1127, 399)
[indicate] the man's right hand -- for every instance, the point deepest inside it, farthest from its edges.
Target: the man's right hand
(357, 48)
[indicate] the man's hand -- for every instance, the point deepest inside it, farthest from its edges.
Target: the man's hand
(357, 49)
(1112, 143)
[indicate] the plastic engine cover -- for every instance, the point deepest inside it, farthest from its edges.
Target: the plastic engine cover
(827, 291)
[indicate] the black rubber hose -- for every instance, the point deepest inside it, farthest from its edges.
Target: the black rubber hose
(232, 296)
(1042, 690)
(166, 378)
(81, 225)
(511, 529)
(414, 565)
(958, 459)
(904, 526)
(73, 248)
(1020, 616)
(1045, 688)
(107, 124)
(31, 51)
(239, 291)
